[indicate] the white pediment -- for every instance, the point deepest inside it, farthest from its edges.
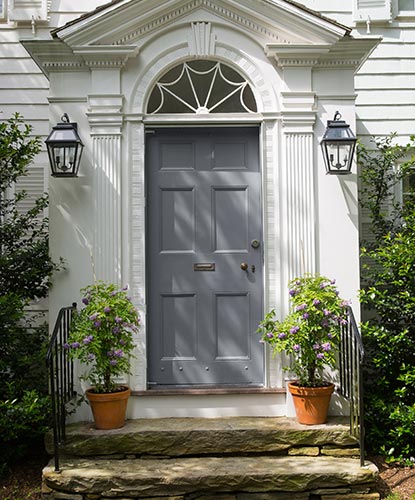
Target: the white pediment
(110, 35)
(126, 22)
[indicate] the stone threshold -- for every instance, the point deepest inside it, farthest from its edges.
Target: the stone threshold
(206, 391)
(200, 437)
(230, 478)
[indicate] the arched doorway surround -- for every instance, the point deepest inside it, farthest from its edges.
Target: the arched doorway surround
(263, 100)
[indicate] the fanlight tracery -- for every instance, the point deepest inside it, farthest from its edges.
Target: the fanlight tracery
(201, 86)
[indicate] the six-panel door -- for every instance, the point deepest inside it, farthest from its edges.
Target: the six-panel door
(204, 254)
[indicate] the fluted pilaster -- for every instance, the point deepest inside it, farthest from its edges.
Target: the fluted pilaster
(107, 193)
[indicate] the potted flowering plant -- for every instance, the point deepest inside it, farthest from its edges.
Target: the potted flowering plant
(101, 336)
(310, 334)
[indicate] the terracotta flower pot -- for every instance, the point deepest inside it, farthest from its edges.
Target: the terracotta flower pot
(311, 403)
(109, 408)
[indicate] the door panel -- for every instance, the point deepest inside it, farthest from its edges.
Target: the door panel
(203, 211)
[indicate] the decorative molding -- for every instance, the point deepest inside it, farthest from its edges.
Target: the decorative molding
(298, 113)
(183, 10)
(105, 56)
(272, 257)
(347, 52)
(201, 40)
(137, 254)
(262, 88)
(296, 54)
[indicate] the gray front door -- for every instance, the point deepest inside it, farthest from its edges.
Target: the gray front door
(203, 223)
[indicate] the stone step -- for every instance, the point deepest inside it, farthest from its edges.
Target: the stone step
(173, 437)
(208, 478)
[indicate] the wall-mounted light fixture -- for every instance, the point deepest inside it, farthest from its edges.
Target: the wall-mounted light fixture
(64, 148)
(338, 145)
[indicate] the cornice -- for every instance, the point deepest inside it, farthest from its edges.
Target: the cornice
(347, 52)
(105, 56)
(296, 54)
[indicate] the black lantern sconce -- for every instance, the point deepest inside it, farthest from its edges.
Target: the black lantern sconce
(338, 145)
(64, 148)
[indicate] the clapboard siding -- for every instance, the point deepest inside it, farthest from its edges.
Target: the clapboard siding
(394, 96)
(387, 82)
(30, 81)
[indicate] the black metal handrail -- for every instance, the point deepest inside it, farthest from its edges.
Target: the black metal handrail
(61, 386)
(351, 380)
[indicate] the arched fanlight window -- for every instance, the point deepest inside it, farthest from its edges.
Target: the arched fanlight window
(201, 86)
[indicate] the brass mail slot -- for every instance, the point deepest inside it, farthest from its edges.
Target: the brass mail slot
(205, 266)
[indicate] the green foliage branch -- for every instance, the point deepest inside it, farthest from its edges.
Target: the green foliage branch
(25, 274)
(310, 332)
(388, 298)
(101, 334)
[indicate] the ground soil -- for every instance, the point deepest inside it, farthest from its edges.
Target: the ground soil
(24, 480)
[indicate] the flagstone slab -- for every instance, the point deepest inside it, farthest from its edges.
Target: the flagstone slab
(175, 477)
(172, 437)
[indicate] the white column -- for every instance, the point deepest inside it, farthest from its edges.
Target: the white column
(105, 119)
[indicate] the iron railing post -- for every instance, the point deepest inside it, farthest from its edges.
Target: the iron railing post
(60, 369)
(351, 380)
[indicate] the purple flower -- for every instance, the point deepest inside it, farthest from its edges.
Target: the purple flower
(296, 347)
(326, 312)
(122, 341)
(332, 282)
(119, 353)
(282, 335)
(91, 357)
(294, 329)
(118, 319)
(305, 316)
(316, 347)
(320, 355)
(66, 345)
(342, 321)
(293, 292)
(325, 323)
(116, 329)
(270, 335)
(107, 309)
(93, 316)
(113, 294)
(326, 346)
(75, 345)
(97, 323)
(126, 288)
(110, 354)
(261, 341)
(316, 302)
(330, 336)
(113, 362)
(87, 340)
(344, 303)
(301, 307)
(323, 285)
(85, 300)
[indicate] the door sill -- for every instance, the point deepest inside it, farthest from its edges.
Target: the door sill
(162, 390)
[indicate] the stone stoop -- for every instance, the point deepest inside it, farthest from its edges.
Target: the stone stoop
(236, 458)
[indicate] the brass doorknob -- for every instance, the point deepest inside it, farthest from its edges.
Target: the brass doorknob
(244, 266)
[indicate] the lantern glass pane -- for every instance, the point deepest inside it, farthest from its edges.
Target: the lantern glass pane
(338, 155)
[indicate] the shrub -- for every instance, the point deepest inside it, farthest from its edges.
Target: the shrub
(388, 296)
(25, 274)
